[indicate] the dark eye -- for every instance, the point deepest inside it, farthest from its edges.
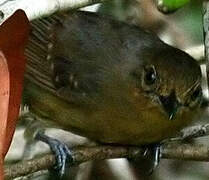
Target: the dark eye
(150, 76)
(197, 93)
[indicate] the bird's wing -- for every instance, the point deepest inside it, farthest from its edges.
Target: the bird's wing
(72, 56)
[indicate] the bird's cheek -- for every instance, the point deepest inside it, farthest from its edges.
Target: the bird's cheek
(147, 103)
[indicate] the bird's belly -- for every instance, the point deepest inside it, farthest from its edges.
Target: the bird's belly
(148, 128)
(111, 126)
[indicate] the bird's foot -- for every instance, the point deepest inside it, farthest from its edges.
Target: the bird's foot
(62, 153)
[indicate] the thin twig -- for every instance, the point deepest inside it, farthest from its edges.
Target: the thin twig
(206, 35)
(83, 154)
(39, 8)
(197, 52)
(194, 131)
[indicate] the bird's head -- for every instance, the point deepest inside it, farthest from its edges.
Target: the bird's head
(171, 79)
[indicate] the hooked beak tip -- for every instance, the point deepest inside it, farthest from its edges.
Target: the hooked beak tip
(171, 116)
(170, 105)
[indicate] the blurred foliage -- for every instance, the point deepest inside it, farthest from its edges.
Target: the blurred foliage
(189, 19)
(174, 4)
(116, 8)
(168, 6)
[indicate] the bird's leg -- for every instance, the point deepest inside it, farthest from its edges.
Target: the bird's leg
(62, 153)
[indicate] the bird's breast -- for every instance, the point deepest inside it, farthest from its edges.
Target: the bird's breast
(111, 125)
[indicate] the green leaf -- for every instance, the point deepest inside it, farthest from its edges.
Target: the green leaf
(168, 6)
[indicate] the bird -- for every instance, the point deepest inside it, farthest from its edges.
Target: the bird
(109, 81)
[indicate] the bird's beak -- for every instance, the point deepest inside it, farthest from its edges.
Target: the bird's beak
(170, 105)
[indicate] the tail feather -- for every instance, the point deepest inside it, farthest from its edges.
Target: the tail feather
(38, 56)
(37, 52)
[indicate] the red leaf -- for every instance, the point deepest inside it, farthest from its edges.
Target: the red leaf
(13, 35)
(4, 102)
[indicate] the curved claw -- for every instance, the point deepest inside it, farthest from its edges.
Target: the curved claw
(61, 151)
(157, 156)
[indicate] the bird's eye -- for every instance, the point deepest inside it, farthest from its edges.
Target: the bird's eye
(197, 93)
(150, 75)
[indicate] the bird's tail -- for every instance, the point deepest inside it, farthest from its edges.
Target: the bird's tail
(38, 51)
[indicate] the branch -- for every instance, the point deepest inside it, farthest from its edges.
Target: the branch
(194, 132)
(36, 9)
(197, 52)
(206, 35)
(83, 154)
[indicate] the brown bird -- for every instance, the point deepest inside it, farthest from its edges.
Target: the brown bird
(109, 81)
